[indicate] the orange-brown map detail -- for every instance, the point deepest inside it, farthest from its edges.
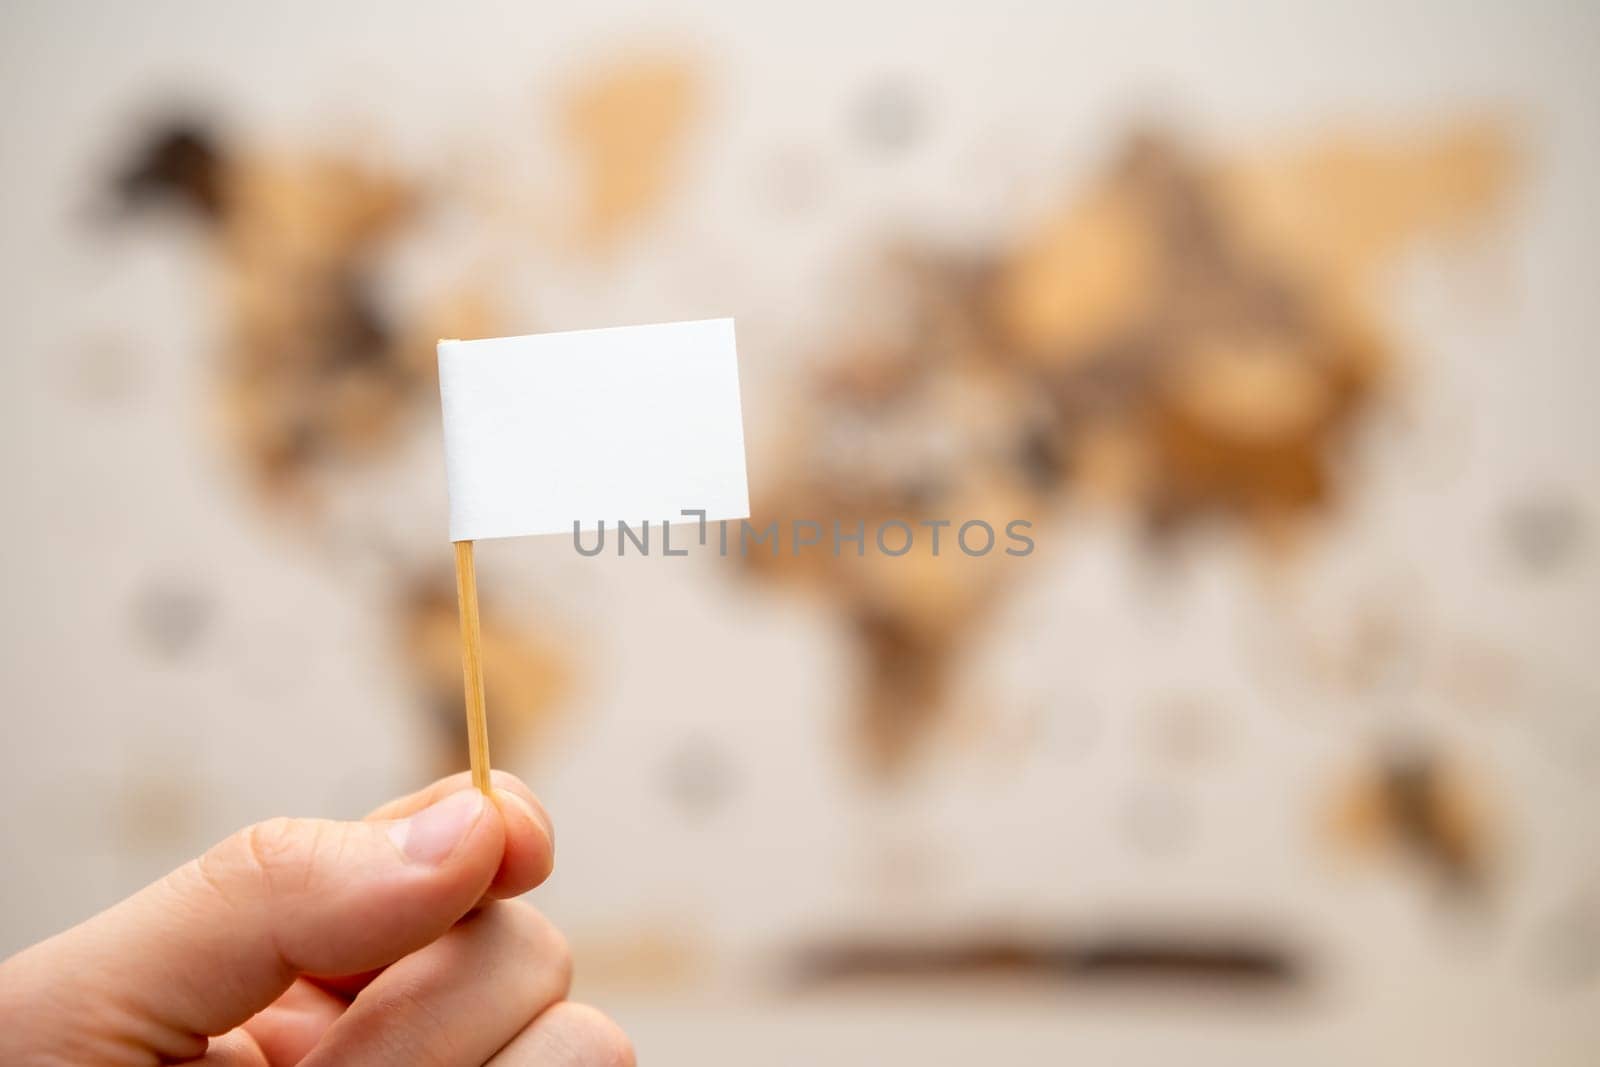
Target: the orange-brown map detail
(627, 129)
(1188, 339)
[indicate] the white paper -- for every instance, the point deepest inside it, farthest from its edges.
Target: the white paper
(635, 423)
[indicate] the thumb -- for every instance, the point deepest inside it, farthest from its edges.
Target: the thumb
(217, 940)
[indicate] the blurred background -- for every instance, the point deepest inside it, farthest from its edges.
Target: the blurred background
(1276, 320)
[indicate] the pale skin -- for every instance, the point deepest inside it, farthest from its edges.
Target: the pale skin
(309, 942)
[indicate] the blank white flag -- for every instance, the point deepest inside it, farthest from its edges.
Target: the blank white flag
(635, 423)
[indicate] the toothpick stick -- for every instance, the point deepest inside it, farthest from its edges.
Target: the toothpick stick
(472, 665)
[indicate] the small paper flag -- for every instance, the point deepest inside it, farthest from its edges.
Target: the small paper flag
(636, 423)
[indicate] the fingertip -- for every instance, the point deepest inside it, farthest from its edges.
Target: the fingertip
(529, 855)
(506, 782)
(524, 854)
(437, 832)
(499, 780)
(460, 839)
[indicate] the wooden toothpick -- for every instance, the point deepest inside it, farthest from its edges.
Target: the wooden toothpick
(472, 665)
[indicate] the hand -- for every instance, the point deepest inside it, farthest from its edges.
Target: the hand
(303, 941)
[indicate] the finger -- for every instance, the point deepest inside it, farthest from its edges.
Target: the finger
(530, 836)
(530, 849)
(568, 1035)
(288, 1028)
(527, 860)
(458, 1000)
(202, 950)
(429, 794)
(235, 1049)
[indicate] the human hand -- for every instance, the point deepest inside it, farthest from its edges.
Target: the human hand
(311, 942)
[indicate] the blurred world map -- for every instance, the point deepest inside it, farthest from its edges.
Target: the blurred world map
(1276, 329)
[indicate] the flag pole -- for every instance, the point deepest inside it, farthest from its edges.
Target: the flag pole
(472, 665)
